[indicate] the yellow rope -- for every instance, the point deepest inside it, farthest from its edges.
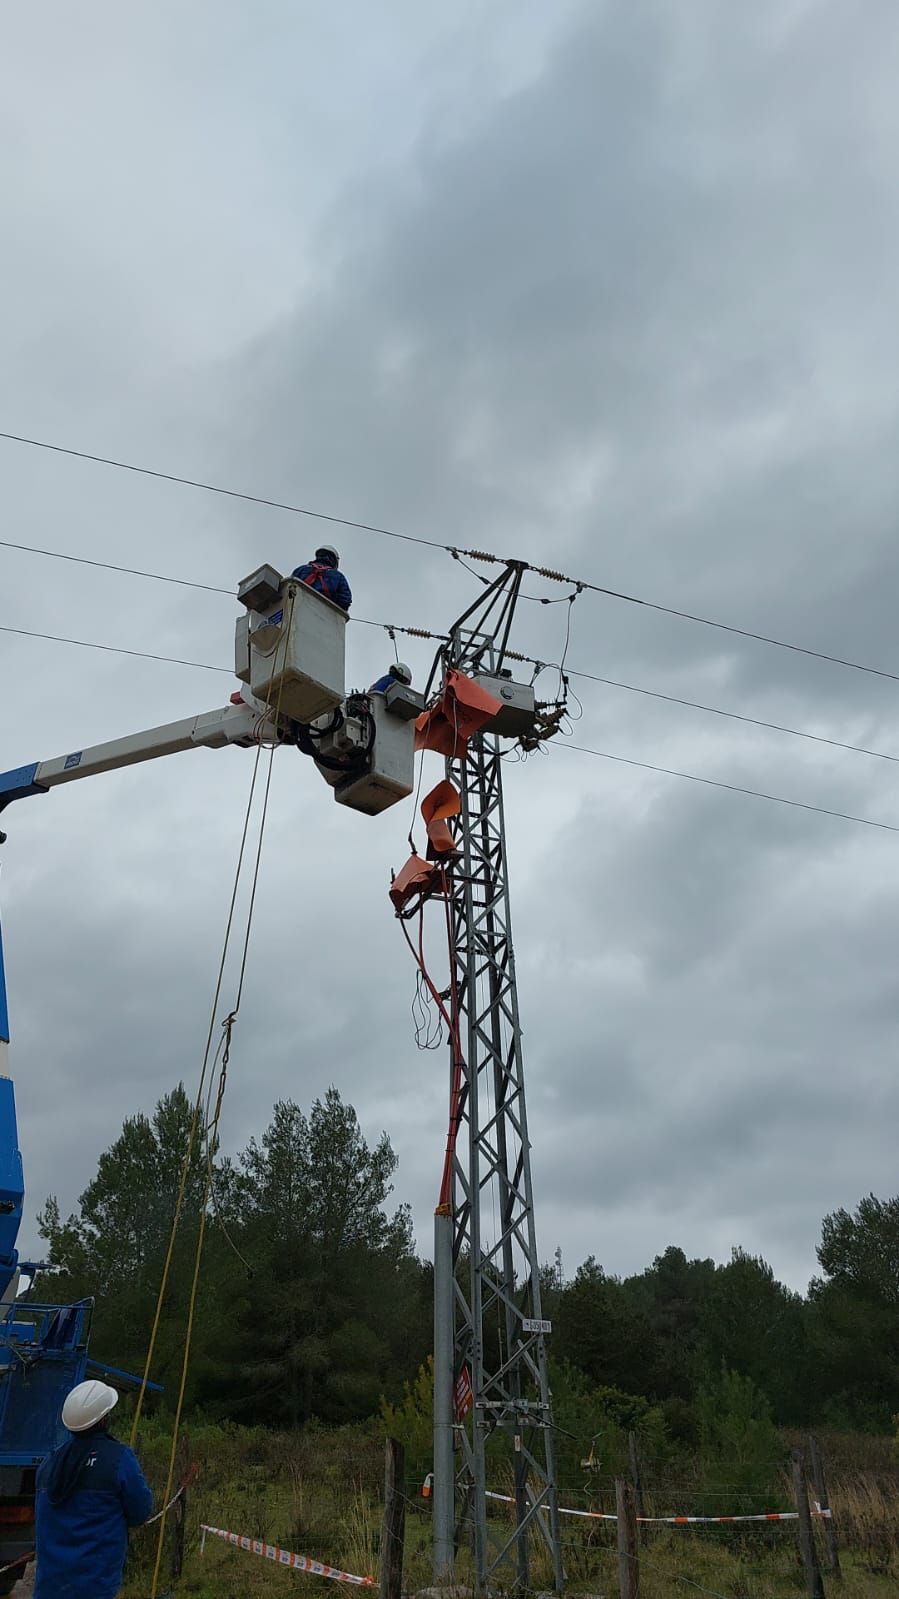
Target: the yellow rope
(191, 1311)
(185, 1165)
(228, 1025)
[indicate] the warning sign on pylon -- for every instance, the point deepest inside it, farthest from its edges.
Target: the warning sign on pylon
(462, 1394)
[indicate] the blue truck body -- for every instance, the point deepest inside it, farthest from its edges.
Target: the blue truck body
(43, 1348)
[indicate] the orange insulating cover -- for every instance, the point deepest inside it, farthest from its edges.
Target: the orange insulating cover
(463, 709)
(417, 877)
(436, 809)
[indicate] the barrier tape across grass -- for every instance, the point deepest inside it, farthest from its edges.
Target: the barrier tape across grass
(682, 1521)
(22, 1560)
(283, 1557)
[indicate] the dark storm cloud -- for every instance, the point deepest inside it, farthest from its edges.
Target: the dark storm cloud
(613, 288)
(639, 306)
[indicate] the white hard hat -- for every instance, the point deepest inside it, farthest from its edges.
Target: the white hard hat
(87, 1404)
(328, 549)
(402, 672)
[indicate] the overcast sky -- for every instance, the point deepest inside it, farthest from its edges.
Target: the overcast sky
(609, 286)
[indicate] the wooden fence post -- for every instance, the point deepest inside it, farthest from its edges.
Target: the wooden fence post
(394, 1530)
(809, 1554)
(179, 1511)
(820, 1483)
(628, 1559)
(636, 1475)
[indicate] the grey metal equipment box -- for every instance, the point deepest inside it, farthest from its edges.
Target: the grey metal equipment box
(261, 589)
(298, 668)
(519, 713)
(406, 703)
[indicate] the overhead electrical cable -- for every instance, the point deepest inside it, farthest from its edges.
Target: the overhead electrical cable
(110, 566)
(116, 649)
(734, 716)
(218, 488)
(177, 660)
(648, 766)
(392, 628)
(414, 538)
(732, 788)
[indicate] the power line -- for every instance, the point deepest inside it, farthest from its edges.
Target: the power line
(115, 649)
(741, 632)
(434, 544)
(218, 488)
(109, 566)
(711, 782)
(177, 660)
(735, 716)
(183, 582)
(392, 628)
(732, 788)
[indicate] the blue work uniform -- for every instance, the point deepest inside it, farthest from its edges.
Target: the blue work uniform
(89, 1492)
(326, 580)
(383, 684)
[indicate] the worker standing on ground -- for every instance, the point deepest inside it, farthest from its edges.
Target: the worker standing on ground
(323, 575)
(399, 673)
(89, 1492)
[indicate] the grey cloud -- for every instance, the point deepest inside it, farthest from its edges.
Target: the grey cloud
(613, 289)
(638, 268)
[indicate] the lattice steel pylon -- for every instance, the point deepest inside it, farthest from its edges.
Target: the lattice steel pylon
(490, 1375)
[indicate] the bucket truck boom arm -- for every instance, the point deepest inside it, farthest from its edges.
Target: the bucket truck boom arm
(237, 723)
(290, 659)
(241, 723)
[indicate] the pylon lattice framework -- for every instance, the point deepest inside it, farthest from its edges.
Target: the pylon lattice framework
(496, 1308)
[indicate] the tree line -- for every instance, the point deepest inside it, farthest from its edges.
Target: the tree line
(314, 1305)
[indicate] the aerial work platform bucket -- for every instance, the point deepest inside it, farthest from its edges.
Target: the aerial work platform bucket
(368, 754)
(290, 647)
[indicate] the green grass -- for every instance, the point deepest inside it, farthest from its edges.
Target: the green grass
(318, 1493)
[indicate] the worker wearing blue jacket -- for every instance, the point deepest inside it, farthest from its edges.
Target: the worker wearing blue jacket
(398, 673)
(89, 1492)
(324, 576)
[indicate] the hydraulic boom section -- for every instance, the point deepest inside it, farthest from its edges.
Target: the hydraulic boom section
(12, 1182)
(289, 662)
(231, 724)
(289, 657)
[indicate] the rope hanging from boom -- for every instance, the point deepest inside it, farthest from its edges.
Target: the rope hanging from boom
(203, 1096)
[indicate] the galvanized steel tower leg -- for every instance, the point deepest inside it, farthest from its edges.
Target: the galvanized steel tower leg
(498, 1339)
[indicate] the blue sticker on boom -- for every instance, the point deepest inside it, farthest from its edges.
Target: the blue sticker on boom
(73, 760)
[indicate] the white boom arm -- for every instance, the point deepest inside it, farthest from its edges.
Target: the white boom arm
(241, 723)
(289, 655)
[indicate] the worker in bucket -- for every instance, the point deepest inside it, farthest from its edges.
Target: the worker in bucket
(399, 673)
(89, 1492)
(324, 576)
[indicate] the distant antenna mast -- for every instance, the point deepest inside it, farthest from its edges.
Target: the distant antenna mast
(490, 1378)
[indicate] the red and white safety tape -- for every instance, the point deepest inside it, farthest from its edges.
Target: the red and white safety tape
(283, 1557)
(166, 1508)
(22, 1560)
(682, 1521)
